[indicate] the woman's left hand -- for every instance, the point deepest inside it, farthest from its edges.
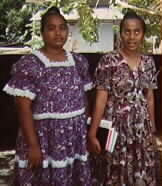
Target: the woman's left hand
(155, 141)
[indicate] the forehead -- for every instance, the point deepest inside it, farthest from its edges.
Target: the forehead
(55, 20)
(132, 24)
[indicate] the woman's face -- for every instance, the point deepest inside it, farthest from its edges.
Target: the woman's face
(55, 32)
(132, 34)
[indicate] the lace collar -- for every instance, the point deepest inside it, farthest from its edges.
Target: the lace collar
(45, 60)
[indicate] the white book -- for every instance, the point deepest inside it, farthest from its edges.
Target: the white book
(103, 124)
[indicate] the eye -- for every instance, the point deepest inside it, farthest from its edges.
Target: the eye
(50, 28)
(126, 32)
(63, 27)
(136, 32)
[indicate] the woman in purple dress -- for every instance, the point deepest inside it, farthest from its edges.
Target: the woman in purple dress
(50, 87)
(125, 80)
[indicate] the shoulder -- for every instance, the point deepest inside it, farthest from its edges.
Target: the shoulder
(110, 58)
(80, 60)
(28, 60)
(147, 57)
(79, 57)
(27, 63)
(148, 60)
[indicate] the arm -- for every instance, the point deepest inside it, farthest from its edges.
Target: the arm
(151, 107)
(89, 102)
(27, 127)
(101, 100)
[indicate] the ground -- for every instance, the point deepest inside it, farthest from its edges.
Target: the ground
(6, 167)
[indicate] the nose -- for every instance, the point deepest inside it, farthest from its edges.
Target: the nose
(132, 35)
(57, 31)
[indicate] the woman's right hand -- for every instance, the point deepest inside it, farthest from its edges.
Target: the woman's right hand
(94, 144)
(25, 115)
(34, 157)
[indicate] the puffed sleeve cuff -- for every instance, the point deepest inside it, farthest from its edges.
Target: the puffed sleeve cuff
(153, 82)
(24, 75)
(19, 92)
(102, 87)
(83, 71)
(152, 75)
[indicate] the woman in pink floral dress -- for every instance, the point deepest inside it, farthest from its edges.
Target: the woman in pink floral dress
(50, 87)
(125, 80)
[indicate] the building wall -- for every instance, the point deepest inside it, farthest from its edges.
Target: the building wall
(78, 44)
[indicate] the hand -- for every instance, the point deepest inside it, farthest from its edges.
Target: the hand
(158, 141)
(94, 145)
(34, 157)
(155, 142)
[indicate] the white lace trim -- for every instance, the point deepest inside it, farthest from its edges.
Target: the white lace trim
(19, 92)
(103, 124)
(53, 163)
(48, 63)
(88, 86)
(56, 115)
(68, 161)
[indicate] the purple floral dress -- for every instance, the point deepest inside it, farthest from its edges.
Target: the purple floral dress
(57, 90)
(132, 163)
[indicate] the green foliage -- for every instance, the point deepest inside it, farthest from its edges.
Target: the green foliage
(16, 27)
(35, 41)
(14, 15)
(88, 23)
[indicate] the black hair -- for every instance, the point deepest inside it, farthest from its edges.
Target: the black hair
(132, 15)
(51, 11)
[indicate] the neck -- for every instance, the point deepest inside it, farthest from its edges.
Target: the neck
(53, 51)
(129, 53)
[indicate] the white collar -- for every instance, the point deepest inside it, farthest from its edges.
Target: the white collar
(45, 60)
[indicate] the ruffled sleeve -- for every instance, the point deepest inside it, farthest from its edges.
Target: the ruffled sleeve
(153, 74)
(83, 70)
(149, 77)
(103, 73)
(23, 78)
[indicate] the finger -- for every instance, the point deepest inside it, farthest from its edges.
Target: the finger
(29, 166)
(34, 164)
(37, 163)
(89, 147)
(98, 149)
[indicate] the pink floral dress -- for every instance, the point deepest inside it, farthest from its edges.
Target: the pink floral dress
(133, 161)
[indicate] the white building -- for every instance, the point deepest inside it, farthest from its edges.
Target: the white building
(107, 17)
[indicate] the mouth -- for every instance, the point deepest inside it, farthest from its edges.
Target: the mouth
(132, 44)
(58, 40)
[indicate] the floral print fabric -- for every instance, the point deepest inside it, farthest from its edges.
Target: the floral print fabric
(58, 93)
(133, 161)
(50, 85)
